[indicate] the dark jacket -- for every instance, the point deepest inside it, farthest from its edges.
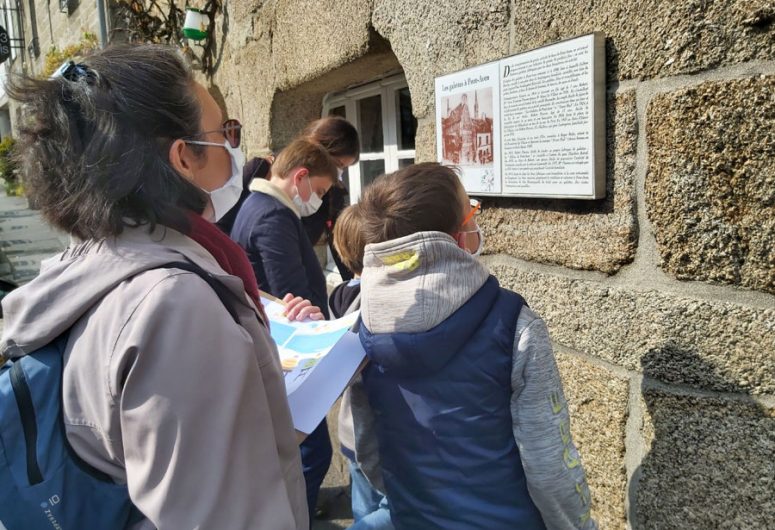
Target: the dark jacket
(343, 296)
(442, 399)
(279, 250)
(255, 168)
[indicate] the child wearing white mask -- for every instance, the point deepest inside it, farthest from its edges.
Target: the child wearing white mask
(268, 226)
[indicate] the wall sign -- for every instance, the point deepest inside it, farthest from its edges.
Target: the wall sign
(529, 125)
(5, 45)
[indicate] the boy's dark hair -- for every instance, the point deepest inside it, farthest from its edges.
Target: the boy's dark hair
(418, 198)
(94, 143)
(348, 238)
(305, 153)
(337, 135)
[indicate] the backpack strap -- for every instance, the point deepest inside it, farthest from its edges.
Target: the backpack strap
(226, 296)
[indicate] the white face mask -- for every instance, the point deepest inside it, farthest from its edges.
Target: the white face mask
(311, 205)
(478, 251)
(224, 198)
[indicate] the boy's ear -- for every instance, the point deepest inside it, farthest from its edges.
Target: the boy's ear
(299, 173)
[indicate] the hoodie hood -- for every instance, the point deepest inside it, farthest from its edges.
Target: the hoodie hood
(71, 283)
(422, 298)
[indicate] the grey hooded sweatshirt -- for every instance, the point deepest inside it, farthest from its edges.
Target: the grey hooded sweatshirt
(162, 390)
(414, 283)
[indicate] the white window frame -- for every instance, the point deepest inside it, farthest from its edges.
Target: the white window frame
(387, 89)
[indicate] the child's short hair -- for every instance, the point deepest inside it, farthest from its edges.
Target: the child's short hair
(305, 153)
(418, 198)
(348, 238)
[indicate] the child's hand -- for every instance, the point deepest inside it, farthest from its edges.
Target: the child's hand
(298, 308)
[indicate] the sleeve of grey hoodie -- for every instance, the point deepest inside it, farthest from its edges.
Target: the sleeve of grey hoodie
(541, 425)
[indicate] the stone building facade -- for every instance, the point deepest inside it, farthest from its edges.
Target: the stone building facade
(660, 297)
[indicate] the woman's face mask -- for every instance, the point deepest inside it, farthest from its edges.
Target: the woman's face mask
(227, 195)
(224, 198)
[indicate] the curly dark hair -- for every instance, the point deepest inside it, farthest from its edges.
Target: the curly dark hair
(94, 143)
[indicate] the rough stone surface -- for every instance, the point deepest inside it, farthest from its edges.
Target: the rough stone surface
(597, 401)
(437, 38)
(294, 108)
(710, 464)
(599, 235)
(654, 38)
(312, 37)
(710, 189)
(714, 345)
(425, 140)
(244, 80)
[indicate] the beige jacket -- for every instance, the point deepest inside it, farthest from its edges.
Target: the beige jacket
(162, 389)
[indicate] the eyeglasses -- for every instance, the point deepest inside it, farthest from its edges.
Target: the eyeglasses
(476, 209)
(232, 130)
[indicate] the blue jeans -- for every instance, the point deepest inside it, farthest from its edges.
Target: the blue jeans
(370, 507)
(316, 456)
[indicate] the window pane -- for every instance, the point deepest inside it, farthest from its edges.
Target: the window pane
(404, 162)
(346, 180)
(371, 169)
(370, 126)
(338, 111)
(406, 123)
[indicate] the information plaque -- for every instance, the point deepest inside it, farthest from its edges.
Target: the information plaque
(529, 125)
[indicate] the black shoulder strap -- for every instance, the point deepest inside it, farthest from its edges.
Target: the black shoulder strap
(224, 294)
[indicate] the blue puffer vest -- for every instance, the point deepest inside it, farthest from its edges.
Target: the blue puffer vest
(441, 399)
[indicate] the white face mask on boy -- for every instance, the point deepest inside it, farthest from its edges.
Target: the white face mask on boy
(464, 234)
(311, 205)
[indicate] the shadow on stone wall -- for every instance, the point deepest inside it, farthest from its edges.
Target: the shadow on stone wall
(711, 458)
(294, 108)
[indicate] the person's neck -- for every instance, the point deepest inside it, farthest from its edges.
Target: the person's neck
(285, 185)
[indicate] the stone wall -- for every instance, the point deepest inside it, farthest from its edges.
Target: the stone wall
(660, 296)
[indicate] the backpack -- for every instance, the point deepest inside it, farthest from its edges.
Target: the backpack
(43, 483)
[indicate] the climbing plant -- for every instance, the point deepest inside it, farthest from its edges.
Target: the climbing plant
(8, 167)
(56, 56)
(161, 22)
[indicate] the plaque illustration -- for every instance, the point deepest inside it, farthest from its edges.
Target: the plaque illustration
(466, 123)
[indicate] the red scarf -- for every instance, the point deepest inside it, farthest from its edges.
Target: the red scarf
(229, 256)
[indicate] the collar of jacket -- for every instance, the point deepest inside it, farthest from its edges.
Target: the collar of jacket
(264, 186)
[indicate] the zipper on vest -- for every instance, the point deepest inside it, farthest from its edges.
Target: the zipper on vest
(21, 391)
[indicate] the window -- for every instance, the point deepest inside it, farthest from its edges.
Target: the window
(382, 113)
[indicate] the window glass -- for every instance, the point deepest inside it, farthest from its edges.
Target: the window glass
(370, 124)
(371, 169)
(406, 123)
(404, 162)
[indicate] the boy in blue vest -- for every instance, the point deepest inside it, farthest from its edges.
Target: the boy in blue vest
(468, 407)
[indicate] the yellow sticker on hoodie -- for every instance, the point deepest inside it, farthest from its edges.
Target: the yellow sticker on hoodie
(407, 260)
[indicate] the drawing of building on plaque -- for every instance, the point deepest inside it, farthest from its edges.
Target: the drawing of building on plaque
(467, 136)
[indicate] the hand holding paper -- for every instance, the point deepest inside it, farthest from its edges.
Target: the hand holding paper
(318, 358)
(299, 309)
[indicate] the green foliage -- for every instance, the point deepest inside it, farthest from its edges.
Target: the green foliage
(8, 167)
(55, 57)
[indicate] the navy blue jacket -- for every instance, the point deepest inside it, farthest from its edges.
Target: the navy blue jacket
(279, 250)
(441, 399)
